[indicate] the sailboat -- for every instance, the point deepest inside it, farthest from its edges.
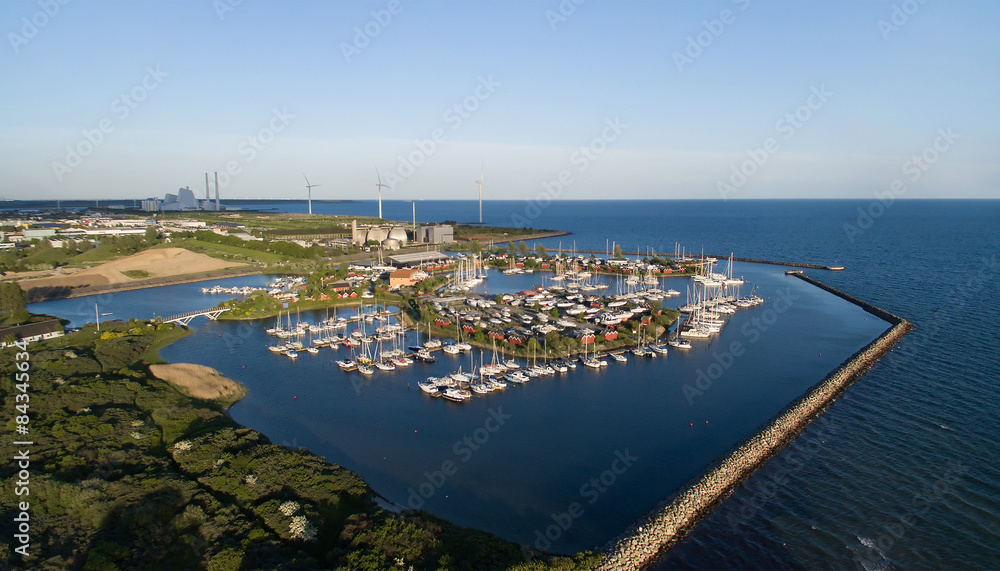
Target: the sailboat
(676, 340)
(730, 280)
(382, 363)
(455, 348)
(431, 343)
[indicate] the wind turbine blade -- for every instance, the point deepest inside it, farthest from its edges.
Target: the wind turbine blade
(305, 177)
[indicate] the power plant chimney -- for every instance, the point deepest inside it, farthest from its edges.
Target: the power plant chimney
(216, 191)
(207, 197)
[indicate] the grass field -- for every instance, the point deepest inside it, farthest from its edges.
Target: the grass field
(226, 252)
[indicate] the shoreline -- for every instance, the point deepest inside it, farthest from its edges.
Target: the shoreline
(40, 294)
(649, 537)
(672, 519)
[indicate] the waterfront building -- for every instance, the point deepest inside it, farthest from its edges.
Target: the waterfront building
(31, 331)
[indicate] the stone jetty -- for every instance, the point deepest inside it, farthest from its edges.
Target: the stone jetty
(647, 539)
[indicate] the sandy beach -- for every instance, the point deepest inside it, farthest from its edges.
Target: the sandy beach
(157, 263)
(197, 380)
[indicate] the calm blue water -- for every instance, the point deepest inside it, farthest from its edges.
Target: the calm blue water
(900, 472)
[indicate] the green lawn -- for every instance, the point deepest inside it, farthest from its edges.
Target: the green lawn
(136, 274)
(225, 252)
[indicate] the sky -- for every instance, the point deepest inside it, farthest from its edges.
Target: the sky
(557, 99)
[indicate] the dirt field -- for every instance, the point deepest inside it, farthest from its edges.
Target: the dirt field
(197, 380)
(159, 262)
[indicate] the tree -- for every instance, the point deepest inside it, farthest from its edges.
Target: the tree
(618, 252)
(71, 246)
(522, 249)
(541, 251)
(151, 235)
(86, 245)
(11, 297)
(475, 247)
(533, 346)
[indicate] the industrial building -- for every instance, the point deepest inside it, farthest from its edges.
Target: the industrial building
(435, 234)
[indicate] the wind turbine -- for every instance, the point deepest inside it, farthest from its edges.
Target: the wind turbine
(380, 185)
(309, 187)
(481, 182)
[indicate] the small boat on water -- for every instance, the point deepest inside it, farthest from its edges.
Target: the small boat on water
(659, 348)
(621, 358)
(347, 365)
(366, 370)
(679, 343)
(457, 395)
(430, 386)
(517, 377)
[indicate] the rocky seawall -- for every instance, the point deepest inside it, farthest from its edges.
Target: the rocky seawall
(647, 538)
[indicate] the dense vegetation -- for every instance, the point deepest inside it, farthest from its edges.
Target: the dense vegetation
(128, 472)
(42, 256)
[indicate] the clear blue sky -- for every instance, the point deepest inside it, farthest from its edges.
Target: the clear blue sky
(554, 86)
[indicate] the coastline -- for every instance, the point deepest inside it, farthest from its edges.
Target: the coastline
(720, 471)
(36, 295)
(666, 524)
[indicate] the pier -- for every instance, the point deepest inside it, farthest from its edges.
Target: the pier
(649, 537)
